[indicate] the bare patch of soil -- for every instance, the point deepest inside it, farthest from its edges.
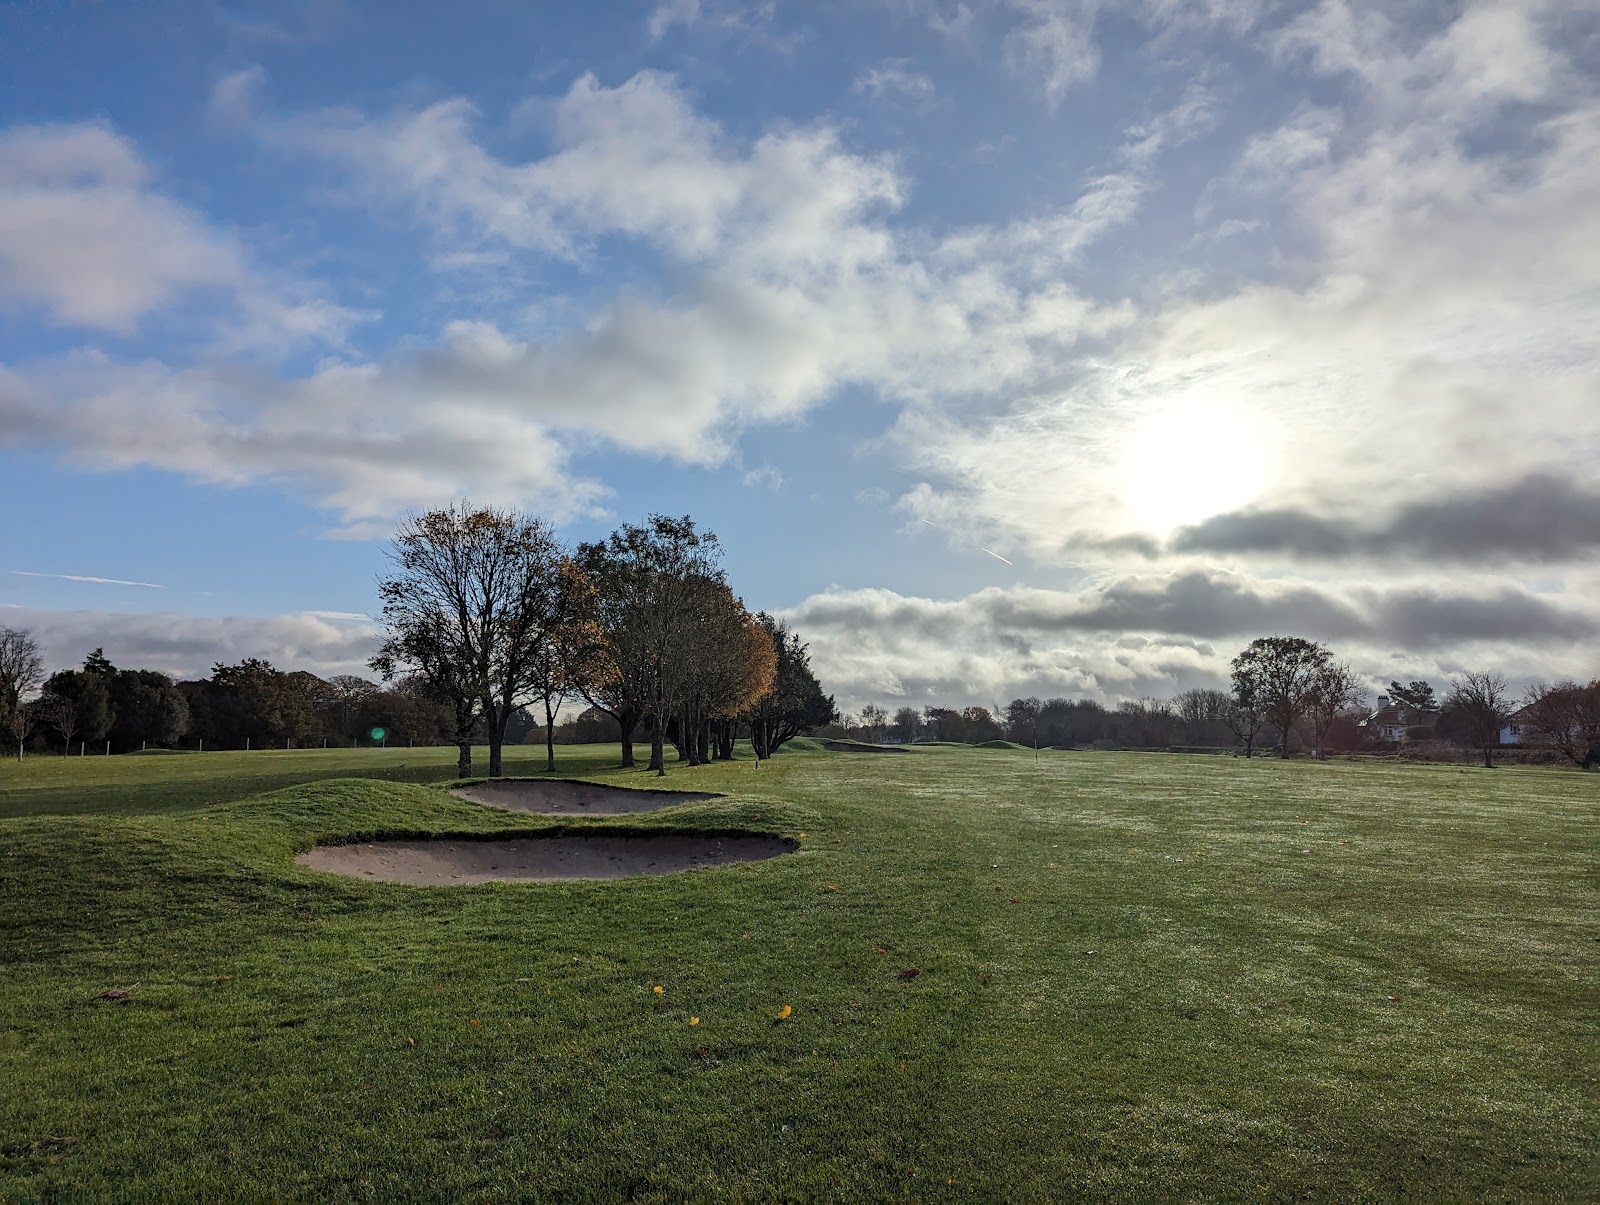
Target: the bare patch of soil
(543, 859)
(556, 797)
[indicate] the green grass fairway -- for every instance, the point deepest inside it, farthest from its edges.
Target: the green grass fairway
(1137, 976)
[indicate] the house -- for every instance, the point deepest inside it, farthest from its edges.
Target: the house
(1390, 721)
(1511, 730)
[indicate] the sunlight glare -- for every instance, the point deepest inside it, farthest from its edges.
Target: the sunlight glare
(1193, 460)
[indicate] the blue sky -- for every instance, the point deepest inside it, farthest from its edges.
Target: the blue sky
(1022, 346)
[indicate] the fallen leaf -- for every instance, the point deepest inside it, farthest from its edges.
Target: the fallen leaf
(783, 1013)
(910, 973)
(113, 993)
(658, 989)
(694, 1020)
(1088, 951)
(1394, 997)
(473, 1022)
(831, 886)
(1015, 900)
(411, 1041)
(880, 949)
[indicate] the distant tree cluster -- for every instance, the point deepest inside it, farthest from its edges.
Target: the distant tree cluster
(490, 613)
(1287, 693)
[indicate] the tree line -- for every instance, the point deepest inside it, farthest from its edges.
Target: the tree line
(1286, 693)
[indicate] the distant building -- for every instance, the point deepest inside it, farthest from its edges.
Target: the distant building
(1389, 722)
(1511, 730)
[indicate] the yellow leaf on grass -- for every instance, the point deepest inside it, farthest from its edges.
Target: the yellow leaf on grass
(694, 1020)
(658, 989)
(783, 1013)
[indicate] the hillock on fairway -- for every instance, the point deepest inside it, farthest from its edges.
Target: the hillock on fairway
(984, 973)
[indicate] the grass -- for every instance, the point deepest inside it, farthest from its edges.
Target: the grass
(1351, 979)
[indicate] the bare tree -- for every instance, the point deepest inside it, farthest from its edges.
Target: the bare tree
(573, 656)
(1279, 671)
(1333, 689)
(21, 672)
(20, 722)
(1565, 717)
(1204, 713)
(471, 604)
(1480, 704)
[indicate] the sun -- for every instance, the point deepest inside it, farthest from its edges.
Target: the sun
(1191, 460)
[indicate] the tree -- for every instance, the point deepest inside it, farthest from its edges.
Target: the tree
(1565, 717)
(575, 652)
(470, 604)
(1246, 710)
(1479, 704)
(795, 704)
(1416, 699)
(148, 708)
(1022, 720)
(1333, 688)
(874, 719)
(907, 725)
(76, 703)
(1278, 671)
(21, 672)
(1204, 714)
(650, 579)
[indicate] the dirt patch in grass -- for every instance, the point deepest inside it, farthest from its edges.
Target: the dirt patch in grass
(450, 862)
(557, 797)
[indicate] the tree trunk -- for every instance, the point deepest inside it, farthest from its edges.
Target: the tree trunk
(549, 735)
(1488, 757)
(658, 732)
(463, 759)
(625, 725)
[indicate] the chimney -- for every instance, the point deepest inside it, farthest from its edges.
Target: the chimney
(1383, 701)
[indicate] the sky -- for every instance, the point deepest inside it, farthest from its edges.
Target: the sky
(1010, 347)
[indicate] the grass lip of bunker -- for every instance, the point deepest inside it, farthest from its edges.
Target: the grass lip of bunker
(833, 746)
(566, 797)
(462, 861)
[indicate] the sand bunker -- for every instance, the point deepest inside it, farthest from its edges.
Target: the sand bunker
(545, 859)
(553, 797)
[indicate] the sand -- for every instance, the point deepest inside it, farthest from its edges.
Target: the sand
(543, 859)
(554, 797)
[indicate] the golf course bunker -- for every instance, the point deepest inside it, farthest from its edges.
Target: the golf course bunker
(456, 862)
(555, 797)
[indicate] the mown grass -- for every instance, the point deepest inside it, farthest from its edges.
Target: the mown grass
(1340, 980)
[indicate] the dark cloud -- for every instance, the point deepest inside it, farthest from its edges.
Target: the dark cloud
(1540, 518)
(1205, 605)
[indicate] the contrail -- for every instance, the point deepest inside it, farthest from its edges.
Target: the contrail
(996, 556)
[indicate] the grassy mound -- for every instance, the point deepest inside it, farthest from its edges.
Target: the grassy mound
(1098, 975)
(1000, 745)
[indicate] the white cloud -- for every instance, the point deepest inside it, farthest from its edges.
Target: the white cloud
(1054, 41)
(894, 77)
(1123, 637)
(76, 577)
(792, 284)
(187, 646)
(1433, 324)
(670, 13)
(86, 238)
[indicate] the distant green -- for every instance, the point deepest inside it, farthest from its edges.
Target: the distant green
(1138, 976)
